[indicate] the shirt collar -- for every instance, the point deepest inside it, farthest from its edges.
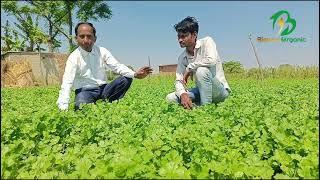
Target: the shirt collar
(85, 53)
(198, 45)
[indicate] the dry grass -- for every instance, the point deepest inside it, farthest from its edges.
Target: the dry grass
(16, 74)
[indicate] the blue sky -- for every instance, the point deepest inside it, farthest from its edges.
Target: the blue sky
(140, 29)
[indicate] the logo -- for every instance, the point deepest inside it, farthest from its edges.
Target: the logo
(286, 24)
(281, 22)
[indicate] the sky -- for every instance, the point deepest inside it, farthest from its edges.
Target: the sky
(139, 29)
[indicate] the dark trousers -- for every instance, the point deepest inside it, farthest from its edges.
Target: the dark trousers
(112, 91)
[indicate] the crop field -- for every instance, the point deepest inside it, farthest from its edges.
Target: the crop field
(265, 129)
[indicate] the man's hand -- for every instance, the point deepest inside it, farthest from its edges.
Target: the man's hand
(186, 76)
(63, 107)
(143, 72)
(186, 101)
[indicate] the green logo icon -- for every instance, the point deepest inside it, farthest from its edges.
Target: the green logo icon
(282, 23)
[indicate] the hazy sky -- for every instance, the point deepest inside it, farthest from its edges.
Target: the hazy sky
(144, 28)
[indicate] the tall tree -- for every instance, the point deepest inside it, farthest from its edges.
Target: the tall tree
(59, 14)
(69, 6)
(27, 23)
(85, 11)
(11, 39)
(53, 14)
(30, 31)
(93, 10)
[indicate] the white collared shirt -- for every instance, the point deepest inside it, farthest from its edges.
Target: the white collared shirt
(88, 69)
(205, 55)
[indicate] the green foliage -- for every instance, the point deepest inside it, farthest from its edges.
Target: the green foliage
(54, 16)
(31, 31)
(93, 10)
(72, 48)
(27, 28)
(265, 129)
(283, 71)
(232, 67)
(11, 39)
(112, 75)
(85, 11)
(57, 17)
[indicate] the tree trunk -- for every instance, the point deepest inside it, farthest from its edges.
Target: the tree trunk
(50, 42)
(69, 10)
(31, 46)
(6, 34)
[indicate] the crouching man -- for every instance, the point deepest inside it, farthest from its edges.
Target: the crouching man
(85, 71)
(200, 59)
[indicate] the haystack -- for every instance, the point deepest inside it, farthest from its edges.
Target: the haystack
(16, 74)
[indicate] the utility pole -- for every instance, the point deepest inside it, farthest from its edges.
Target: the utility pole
(255, 53)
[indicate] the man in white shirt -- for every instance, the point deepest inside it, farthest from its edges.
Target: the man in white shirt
(85, 71)
(199, 59)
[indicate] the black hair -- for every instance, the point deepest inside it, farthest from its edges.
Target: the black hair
(90, 24)
(188, 24)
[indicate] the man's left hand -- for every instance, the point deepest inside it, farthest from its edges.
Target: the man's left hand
(143, 72)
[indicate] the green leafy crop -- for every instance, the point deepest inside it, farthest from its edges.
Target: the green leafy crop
(265, 129)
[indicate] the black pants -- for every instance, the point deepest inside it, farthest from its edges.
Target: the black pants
(112, 91)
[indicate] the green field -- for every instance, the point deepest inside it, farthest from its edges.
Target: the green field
(265, 129)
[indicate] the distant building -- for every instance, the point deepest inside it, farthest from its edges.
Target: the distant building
(168, 68)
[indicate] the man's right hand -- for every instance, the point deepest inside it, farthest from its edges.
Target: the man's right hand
(143, 72)
(186, 101)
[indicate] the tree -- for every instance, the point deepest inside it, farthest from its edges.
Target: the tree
(11, 39)
(54, 15)
(57, 15)
(69, 5)
(30, 31)
(94, 10)
(60, 12)
(286, 66)
(233, 67)
(27, 24)
(39, 38)
(87, 10)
